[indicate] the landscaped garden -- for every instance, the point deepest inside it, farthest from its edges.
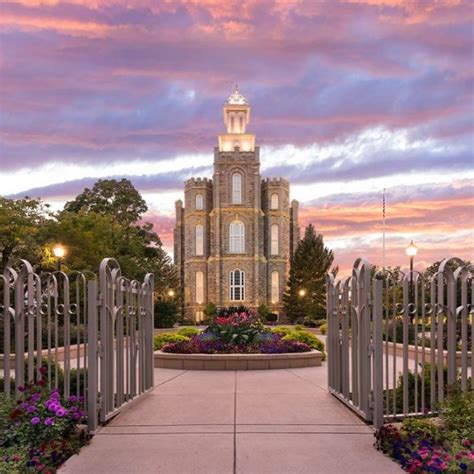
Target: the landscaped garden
(443, 444)
(238, 331)
(40, 430)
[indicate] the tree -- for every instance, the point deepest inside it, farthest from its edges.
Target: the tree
(136, 246)
(109, 196)
(306, 292)
(20, 225)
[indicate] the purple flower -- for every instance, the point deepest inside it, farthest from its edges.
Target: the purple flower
(53, 407)
(81, 399)
(31, 409)
(61, 412)
(72, 409)
(55, 394)
(49, 421)
(24, 406)
(35, 420)
(76, 416)
(21, 388)
(73, 398)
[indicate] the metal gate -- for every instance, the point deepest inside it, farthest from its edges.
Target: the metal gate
(92, 337)
(396, 342)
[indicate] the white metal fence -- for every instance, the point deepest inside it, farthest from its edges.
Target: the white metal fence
(397, 341)
(93, 337)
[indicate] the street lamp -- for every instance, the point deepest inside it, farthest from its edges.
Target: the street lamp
(59, 251)
(302, 292)
(171, 293)
(411, 250)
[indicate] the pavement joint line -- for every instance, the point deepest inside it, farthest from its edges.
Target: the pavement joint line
(240, 424)
(237, 433)
(307, 381)
(235, 423)
(169, 380)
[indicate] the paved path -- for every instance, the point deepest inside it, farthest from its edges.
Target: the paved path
(248, 422)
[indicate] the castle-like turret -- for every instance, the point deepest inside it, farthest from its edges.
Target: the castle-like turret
(236, 232)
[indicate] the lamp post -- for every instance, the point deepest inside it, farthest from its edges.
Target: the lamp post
(59, 251)
(171, 293)
(411, 252)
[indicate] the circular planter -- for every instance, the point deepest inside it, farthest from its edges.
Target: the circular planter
(237, 361)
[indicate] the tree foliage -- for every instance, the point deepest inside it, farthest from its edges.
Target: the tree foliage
(111, 197)
(20, 225)
(309, 266)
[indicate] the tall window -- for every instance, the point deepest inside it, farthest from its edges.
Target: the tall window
(237, 188)
(275, 287)
(275, 204)
(199, 287)
(199, 240)
(237, 285)
(199, 202)
(275, 239)
(199, 316)
(237, 237)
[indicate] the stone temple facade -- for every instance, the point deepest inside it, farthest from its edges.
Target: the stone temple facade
(236, 232)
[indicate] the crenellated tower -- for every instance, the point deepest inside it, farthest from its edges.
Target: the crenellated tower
(235, 234)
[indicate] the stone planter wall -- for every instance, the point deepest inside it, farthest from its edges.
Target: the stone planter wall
(237, 361)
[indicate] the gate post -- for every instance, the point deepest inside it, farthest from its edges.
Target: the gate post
(92, 365)
(378, 354)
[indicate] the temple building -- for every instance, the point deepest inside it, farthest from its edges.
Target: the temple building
(235, 234)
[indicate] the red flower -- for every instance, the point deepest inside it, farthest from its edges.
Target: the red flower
(41, 383)
(15, 414)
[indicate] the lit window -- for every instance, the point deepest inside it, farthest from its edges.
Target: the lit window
(237, 285)
(275, 287)
(199, 287)
(199, 202)
(275, 239)
(199, 316)
(199, 240)
(237, 188)
(237, 237)
(275, 203)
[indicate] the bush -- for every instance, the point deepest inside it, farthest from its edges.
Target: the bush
(188, 332)
(271, 318)
(323, 328)
(282, 330)
(457, 413)
(167, 338)
(263, 311)
(166, 314)
(307, 338)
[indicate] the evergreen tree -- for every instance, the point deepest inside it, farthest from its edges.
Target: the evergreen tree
(306, 291)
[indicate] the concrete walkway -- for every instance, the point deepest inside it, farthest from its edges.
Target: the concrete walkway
(249, 422)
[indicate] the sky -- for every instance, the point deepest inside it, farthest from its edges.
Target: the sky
(348, 98)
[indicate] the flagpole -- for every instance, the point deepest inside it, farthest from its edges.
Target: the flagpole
(383, 232)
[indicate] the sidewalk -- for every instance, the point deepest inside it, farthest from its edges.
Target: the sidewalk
(249, 422)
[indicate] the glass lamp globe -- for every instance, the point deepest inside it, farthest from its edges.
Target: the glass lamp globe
(412, 249)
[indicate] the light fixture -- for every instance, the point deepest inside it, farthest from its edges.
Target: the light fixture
(302, 292)
(412, 249)
(59, 251)
(171, 293)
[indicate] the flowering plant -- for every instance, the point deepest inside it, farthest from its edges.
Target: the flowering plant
(41, 430)
(236, 326)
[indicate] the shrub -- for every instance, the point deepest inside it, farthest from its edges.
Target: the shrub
(166, 338)
(457, 413)
(166, 314)
(307, 338)
(323, 328)
(281, 330)
(188, 332)
(271, 318)
(263, 311)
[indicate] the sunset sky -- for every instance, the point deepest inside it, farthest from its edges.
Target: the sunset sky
(347, 99)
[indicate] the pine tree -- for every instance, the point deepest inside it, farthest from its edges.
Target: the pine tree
(306, 291)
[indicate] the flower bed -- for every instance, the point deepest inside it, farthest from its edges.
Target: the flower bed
(440, 445)
(41, 430)
(238, 331)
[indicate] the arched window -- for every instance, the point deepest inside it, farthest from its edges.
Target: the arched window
(275, 203)
(275, 240)
(275, 287)
(237, 285)
(199, 316)
(199, 287)
(199, 202)
(237, 188)
(199, 240)
(237, 237)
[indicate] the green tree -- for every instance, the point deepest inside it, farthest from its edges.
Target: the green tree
(306, 291)
(109, 196)
(20, 224)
